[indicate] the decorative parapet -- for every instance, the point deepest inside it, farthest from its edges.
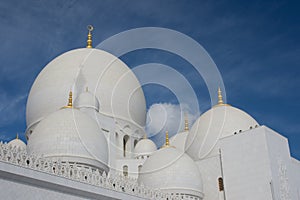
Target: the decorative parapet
(19, 157)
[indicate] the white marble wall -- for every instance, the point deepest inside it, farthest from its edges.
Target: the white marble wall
(296, 176)
(257, 165)
(210, 170)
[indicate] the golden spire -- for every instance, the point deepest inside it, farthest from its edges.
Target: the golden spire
(70, 102)
(186, 122)
(89, 40)
(220, 97)
(167, 139)
(167, 144)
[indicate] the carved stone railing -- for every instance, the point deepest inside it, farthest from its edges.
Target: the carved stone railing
(74, 172)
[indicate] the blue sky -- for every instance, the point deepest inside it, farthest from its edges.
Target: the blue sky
(255, 45)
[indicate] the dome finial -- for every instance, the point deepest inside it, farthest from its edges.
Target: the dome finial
(186, 122)
(70, 102)
(220, 97)
(89, 40)
(17, 136)
(167, 139)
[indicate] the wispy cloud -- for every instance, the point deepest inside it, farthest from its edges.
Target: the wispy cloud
(162, 117)
(4, 137)
(11, 109)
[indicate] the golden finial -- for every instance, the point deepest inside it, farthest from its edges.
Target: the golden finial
(220, 97)
(145, 136)
(70, 102)
(89, 40)
(186, 122)
(17, 137)
(167, 139)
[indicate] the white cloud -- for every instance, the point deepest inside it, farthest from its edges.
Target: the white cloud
(166, 116)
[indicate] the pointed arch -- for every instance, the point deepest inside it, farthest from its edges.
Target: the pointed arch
(125, 170)
(125, 141)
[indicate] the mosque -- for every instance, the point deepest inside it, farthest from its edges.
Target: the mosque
(86, 114)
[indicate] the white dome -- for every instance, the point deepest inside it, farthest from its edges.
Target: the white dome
(179, 139)
(70, 135)
(112, 82)
(17, 143)
(145, 147)
(87, 100)
(218, 122)
(172, 171)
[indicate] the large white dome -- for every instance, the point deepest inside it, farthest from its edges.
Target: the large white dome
(106, 76)
(172, 171)
(70, 135)
(218, 122)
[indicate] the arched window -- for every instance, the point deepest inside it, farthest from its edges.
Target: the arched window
(139, 168)
(125, 140)
(117, 142)
(135, 142)
(221, 184)
(125, 170)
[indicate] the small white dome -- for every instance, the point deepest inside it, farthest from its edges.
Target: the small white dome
(145, 147)
(17, 143)
(70, 135)
(172, 171)
(87, 100)
(218, 122)
(179, 140)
